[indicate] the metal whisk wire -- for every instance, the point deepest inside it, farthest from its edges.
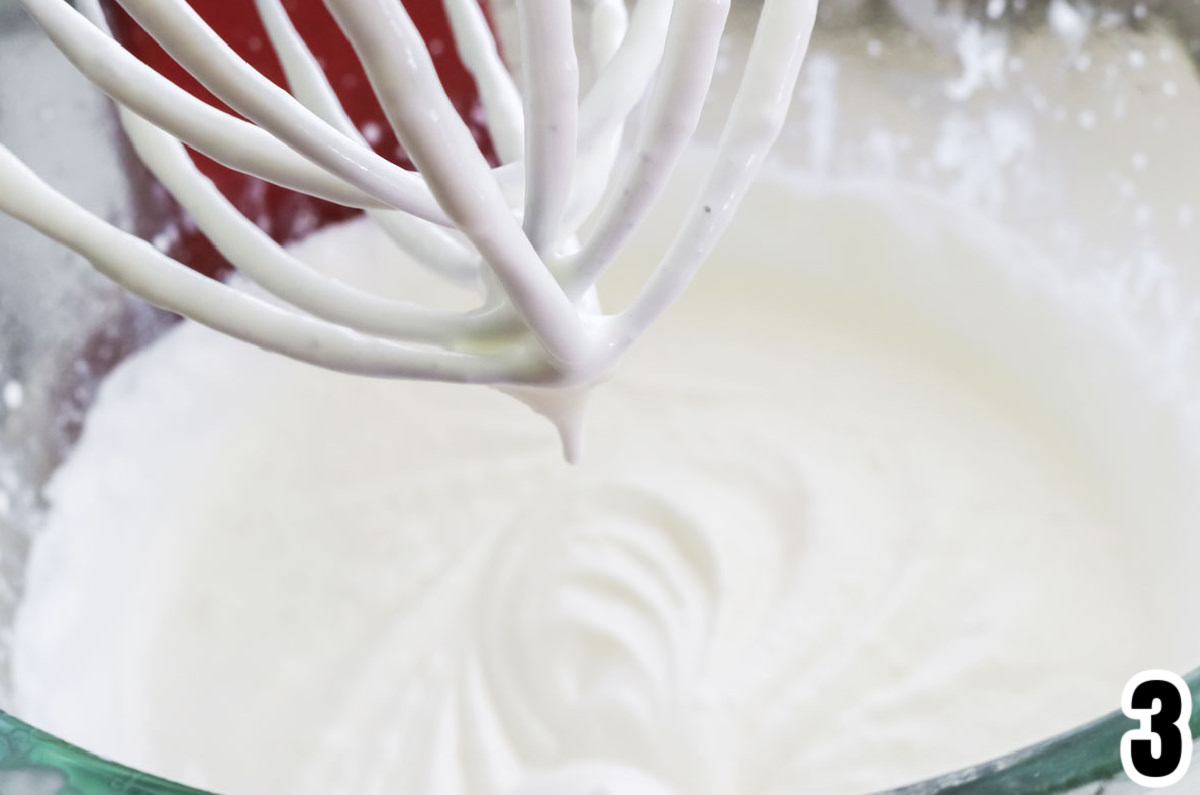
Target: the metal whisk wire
(511, 232)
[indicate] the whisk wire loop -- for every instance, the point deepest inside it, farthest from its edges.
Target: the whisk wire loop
(514, 232)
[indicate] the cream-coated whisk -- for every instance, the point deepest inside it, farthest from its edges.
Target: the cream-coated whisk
(511, 232)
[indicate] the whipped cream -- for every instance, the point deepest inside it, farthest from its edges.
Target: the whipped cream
(829, 535)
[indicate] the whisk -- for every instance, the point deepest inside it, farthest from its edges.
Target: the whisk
(510, 232)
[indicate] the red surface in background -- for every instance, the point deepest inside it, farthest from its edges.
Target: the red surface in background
(284, 214)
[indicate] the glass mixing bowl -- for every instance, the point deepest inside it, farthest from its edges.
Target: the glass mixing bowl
(980, 102)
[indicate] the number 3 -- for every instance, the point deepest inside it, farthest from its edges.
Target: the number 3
(1158, 753)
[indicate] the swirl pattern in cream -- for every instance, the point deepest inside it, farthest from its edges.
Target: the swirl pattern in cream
(810, 570)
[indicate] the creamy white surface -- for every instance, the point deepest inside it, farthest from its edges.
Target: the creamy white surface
(864, 550)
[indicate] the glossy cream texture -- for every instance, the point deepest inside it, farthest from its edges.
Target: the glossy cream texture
(861, 551)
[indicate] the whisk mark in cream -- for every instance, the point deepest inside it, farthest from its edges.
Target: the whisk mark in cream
(511, 233)
(414, 597)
